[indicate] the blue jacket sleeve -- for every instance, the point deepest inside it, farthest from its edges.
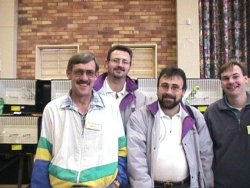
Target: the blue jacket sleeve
(122, 176)
(40, 174)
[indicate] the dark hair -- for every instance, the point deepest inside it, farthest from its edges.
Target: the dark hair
(82, 58)
(230, 65)
(170, 72)
(120, 48)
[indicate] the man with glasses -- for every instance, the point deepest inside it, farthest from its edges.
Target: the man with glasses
(168, 142)
(117, 84)
(228, 121)
(82, 142)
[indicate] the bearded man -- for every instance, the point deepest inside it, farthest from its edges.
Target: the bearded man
(168, 142)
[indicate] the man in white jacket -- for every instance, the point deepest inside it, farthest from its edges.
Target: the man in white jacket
(82, 141)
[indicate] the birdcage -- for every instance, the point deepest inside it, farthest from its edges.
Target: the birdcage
(148, 86)
(199, 92)
(18, 130)
(59, 88)
(202, 91)
(18, 95)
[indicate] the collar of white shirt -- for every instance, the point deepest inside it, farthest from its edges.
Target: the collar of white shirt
(109, 91)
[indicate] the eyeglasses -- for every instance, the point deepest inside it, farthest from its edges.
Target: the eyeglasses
(79, 73)
(117, 61)
(173, 87)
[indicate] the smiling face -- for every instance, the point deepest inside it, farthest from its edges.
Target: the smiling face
(170, 92)
(119, 64)
(233, 82)
(83, 77)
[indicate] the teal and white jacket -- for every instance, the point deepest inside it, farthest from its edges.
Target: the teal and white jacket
(74, 149)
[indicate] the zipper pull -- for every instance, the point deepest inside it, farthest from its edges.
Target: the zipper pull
(83, 122)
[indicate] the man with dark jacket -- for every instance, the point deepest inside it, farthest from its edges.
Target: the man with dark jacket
(228, 121)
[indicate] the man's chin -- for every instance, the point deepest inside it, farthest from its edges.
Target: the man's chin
(170, 106)
(232, 94)
(118, 76)
(85, 94)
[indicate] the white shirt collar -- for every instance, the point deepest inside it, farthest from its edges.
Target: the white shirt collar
(108, 89)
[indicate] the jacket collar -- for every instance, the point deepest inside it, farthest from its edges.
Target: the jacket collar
(153, 107)
(130, 84)
(96, 102)
(188, 121)
(224, 104)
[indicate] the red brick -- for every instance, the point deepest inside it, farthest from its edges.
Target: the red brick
(96, 25)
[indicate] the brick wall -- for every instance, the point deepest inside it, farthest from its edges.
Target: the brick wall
(95, 25)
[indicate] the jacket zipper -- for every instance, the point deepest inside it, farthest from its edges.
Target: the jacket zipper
(83, 120)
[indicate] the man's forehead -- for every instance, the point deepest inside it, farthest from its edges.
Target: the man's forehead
(175, 78)
(231, 71)
(89, 65)
(120, 53)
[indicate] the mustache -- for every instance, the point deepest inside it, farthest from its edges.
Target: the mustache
(119, 68)
(168, 96)
(83, 82)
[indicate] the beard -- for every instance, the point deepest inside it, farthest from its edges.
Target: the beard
(167, 104)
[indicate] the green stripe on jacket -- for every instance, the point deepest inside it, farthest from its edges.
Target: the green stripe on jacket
(45, 144)
(91, 174)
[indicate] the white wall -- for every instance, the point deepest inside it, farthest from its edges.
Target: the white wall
(8, 38)
(188, 37)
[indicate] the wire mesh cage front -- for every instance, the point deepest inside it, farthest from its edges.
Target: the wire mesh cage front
(148, 86)
(18, 130)
(59, 88)
(18, 92)
(199, 91)
(202, 91)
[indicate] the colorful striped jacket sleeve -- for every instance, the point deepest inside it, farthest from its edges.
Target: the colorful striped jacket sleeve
(122, 176)
(40, 174)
